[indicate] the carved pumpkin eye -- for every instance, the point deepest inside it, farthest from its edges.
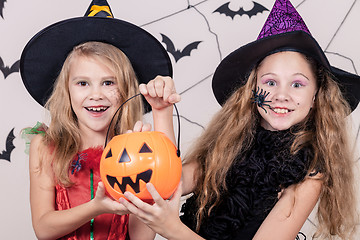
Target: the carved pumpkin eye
(124, 157)
(145, 149)
(109, 154)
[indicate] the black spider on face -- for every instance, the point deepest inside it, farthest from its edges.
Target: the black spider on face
(259, 98)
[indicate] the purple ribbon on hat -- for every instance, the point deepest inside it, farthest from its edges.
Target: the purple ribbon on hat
(282, 18)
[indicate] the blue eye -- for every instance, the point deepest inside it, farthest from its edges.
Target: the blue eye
(271, 83)
(297, 85)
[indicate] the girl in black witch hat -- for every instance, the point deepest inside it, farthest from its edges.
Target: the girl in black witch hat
(277, 147)
(82, 70)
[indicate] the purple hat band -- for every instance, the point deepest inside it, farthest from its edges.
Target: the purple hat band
(283, 18)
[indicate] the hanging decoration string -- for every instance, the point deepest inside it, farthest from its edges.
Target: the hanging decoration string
(178, 141)
(139, 94)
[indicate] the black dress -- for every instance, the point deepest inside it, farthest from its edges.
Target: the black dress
(253, 186)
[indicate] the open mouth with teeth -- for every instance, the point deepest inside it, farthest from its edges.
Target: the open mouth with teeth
(144, 176)
(96, 109)
(281, 110)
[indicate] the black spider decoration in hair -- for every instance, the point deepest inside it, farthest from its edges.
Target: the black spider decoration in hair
(259, 98)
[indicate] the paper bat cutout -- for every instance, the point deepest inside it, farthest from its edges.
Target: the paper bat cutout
(175, 52)
(6, 70)
(224, 9)
(2, 7)
(9, 146)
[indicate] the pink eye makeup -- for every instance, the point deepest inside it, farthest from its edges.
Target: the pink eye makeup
(268, 81)
(298, 84)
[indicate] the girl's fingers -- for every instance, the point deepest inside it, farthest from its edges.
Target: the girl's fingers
(177, 194)
(146, 127)
(100, 190)
(143, 89)
(151, 89)
(169, 88)
(131, 207)
(138, 203)
(155, 195)
(138, 126)
(174, 98)
(160, 86)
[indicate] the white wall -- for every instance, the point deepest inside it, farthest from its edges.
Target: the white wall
(334, 23)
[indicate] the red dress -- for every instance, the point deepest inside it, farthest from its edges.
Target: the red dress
(105, 226)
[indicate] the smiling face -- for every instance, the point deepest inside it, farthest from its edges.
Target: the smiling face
(94, 93)
(291, 84)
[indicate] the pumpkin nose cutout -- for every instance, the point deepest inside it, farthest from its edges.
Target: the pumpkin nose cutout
(124, 157)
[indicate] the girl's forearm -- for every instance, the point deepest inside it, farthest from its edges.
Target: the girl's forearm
(163, 122)
(182, 232)
(55, 224)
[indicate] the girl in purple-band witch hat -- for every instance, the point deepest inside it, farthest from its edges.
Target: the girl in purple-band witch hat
(83, 70)
(277, 147)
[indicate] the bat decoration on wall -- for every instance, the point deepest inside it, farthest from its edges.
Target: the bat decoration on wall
(224, 9)
(177, 53)
(9, 146)
(6, 70)
(2, 7)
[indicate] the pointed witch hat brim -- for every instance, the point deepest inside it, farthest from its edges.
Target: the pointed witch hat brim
(284, 30)
(43, 56)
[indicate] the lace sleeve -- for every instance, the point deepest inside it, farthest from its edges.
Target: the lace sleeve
(28, 133)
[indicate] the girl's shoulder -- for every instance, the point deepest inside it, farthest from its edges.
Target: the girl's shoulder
(37, 153)
(39, 147)
(35, 144)
(35, 133)
(36, 141)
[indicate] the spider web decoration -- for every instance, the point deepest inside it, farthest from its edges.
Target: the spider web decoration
(283, 18)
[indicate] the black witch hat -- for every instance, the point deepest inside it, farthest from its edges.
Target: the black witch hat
(43, 56)
(284, 30)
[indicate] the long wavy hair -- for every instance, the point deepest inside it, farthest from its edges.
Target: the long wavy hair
(63, 136)
(323, 130)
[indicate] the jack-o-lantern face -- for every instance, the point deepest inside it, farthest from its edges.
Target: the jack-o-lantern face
(131, 160)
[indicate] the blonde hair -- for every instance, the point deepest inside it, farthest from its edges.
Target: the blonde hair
(323, 130)
(234, 123)
(63, 135)
(337, 206)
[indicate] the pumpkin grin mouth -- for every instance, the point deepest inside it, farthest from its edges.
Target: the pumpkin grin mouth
(144, 176)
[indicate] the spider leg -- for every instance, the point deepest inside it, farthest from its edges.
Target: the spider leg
(255, 93)
(261, 92)
(266, 94)
(264, 104)
(259, 98)
(263, 108)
